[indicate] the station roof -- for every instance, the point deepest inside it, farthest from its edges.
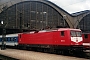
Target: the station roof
(8, 3)
(80, 13)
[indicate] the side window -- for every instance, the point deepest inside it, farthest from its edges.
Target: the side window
(85, 36)
(11, 38)
(62, 33)
(7, 39)
(0, 39)
(14, 39)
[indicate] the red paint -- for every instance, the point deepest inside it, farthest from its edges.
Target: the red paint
(51, 38)
(86, 40)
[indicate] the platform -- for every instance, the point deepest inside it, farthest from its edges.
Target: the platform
(31, 55)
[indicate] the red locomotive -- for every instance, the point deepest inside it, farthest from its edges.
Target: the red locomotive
(86, 41)
(54, 39)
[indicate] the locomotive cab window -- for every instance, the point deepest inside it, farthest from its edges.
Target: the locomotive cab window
(78, 33)
(86, 36)
(75, 33)
(62, 33)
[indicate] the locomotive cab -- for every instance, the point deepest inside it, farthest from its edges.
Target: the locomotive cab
(76, 37)
(76, 40)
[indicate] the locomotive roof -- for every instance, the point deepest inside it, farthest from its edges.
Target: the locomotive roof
(59, 29)
(54, 29)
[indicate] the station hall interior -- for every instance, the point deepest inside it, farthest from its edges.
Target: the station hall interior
(28, 15)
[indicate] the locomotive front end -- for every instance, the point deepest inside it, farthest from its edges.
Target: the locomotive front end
(76, 40)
